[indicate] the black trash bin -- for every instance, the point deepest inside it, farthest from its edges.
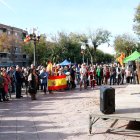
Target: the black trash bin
(107, 100)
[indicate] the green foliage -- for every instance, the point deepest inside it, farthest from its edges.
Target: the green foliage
(99, 37)
(9, 42)
(62, 46)
(124, 43)
(136, 27)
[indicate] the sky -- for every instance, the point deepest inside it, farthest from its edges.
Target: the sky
(80, 16)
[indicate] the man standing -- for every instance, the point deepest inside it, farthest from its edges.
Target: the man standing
(18, 81)
(83, 77)
(113, 74)
(44, 80)
(11, 73)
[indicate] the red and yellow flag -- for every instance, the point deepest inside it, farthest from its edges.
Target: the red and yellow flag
(49, 67)
(57, 82)
(27, 39)
(121, 58)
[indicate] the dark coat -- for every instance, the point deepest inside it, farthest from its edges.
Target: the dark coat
(33, 85)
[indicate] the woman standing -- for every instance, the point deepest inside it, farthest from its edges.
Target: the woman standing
(33, 82)
(25, 75)
(7, 83)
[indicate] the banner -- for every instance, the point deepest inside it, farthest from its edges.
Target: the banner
(49, 67)
(121, 58)
(27, 39)
(57, 82)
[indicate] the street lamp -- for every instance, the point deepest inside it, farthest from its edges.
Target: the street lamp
(83, 47)
(35, 37)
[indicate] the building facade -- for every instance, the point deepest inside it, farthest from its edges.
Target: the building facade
(12, 55)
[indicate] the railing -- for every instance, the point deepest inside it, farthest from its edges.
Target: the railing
(4, 59)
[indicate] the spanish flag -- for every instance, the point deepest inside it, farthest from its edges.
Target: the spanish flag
(57, 82)
(121, 58)
(27, 39)
(49, 67)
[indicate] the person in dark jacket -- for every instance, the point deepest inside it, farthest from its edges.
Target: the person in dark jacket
(18, 81)
(72, 73)
(33, 83)
(44, 80)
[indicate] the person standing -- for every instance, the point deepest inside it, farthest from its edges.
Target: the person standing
(91, 77)
(72, 74)
(83, 76)
(98, 73)
(122, 75)
(25, 75)
(7, 82)
(18, 81)
(113, 74)
(128, 74)
(33, 83)
(106, 75)
(2, 93)
(49, 69)
(78, 73)
(44, 79)
(11, 73)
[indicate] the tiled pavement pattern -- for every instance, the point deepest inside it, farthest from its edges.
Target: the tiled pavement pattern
(61, 116)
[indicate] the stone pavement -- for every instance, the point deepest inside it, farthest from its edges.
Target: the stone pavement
(62, 116)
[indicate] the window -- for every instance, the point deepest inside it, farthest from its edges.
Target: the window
(1, 31)
(16, 34)
(24, 56)
(9, 32)
(3, 55)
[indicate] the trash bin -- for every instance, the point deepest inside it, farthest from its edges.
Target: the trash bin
(107, 100)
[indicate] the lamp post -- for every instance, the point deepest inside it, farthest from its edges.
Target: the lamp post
(35, 38)
(83, 47)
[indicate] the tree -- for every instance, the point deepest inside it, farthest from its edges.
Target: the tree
(124, 43)
(6, 42)
(9, 43)
(67, 46)
(41, 49)
(136, 27)
(97, 38)
(61, 46)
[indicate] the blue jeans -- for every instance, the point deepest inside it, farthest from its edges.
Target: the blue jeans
(44, 87)
(112, 77)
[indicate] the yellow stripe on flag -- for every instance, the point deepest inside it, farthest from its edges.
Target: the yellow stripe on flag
(57, 82)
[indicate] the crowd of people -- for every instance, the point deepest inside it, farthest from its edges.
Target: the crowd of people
(13, 79)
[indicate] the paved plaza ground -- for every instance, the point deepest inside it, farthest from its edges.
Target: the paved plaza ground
(64, 115)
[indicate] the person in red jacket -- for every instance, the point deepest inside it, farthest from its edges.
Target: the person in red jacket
(7, 82)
